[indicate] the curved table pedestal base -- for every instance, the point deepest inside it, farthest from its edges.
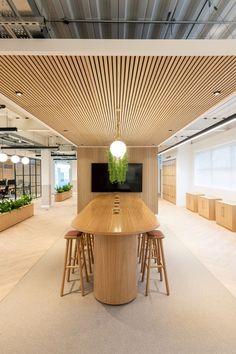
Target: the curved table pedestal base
(115, 268)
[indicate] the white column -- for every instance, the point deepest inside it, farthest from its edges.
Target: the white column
(46, 200)
(183, 173)
(74, 175)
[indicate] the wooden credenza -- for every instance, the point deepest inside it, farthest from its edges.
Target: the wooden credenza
(192, 201)
(115, 220)
(226, 214)
(206, 207)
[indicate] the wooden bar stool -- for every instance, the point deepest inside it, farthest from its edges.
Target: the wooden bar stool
(74, 239)
(154, 250)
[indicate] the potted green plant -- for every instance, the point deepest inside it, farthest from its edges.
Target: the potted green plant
(63, 192)
(15, 211)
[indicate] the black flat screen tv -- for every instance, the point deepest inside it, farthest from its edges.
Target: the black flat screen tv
(101, 183)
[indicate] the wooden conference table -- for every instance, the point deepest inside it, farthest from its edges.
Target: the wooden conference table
(115, 220)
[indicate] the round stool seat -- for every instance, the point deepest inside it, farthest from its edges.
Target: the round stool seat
(72, 234)
(155, 234)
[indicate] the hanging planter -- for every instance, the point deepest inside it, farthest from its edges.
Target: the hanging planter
(117, 168)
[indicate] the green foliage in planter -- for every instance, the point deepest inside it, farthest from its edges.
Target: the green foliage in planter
(117, 168)
(65, 188)
(8, 205)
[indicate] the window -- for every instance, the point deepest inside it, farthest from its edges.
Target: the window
(216, 167)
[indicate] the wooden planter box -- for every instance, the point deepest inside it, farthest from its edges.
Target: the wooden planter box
(13, 217)
(59, 197)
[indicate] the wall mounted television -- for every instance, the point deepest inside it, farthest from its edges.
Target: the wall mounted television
(100, 179)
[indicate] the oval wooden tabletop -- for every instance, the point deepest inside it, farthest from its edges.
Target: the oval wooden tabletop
(110, 214)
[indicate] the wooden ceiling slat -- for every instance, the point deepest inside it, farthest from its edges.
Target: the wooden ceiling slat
(155, 94)
(202, 84)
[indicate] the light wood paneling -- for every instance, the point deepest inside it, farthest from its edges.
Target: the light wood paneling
(115, 269)
(169, 180)
(158, 95)
(192, 201)
(206, 207)
(146, 156)
(226, 214)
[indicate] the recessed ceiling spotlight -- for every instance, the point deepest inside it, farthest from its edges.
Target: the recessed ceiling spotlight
(17, 117)
(2, 106)
(65, 130)
(170, 130)
(214, 118)
(26, 117)
(216, 93)
(205, 118)
(19, 93)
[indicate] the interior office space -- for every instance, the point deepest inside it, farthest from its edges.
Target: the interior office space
(76, 77)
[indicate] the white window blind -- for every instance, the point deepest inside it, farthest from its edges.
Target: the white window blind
(216, 167)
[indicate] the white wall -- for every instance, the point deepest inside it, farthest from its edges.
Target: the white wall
(183, 172)
(208, 142)
(185, 165)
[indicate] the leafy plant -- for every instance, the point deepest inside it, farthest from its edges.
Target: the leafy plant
(117, 168)
(8, 205)
(65, 188)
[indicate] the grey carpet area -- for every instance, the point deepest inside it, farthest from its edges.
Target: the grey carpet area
(198, 317)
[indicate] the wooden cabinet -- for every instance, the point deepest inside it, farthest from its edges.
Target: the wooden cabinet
(206, 207)
(226, 214)
(169, 180)
(192, 201)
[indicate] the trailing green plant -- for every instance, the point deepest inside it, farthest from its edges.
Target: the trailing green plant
(8, 205)
(65, 188)
(117, 168)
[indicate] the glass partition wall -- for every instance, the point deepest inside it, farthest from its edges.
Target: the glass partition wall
(21, 179)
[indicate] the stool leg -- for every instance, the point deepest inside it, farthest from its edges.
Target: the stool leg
(144, 258)
(74, 258)
(91, 248)
(141, 249)
(69, 254)
(88, 250)
(164, 268)
(139, 241)
(159, 260)
(84, 260)
(64, 270)
(149, 247)
(78, 244)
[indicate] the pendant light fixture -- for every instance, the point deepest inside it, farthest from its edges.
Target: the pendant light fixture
(118, 147)
(15, 159)
(3, 157)
(25, 160)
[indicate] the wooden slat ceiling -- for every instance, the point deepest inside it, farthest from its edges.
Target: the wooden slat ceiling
(80, 93)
